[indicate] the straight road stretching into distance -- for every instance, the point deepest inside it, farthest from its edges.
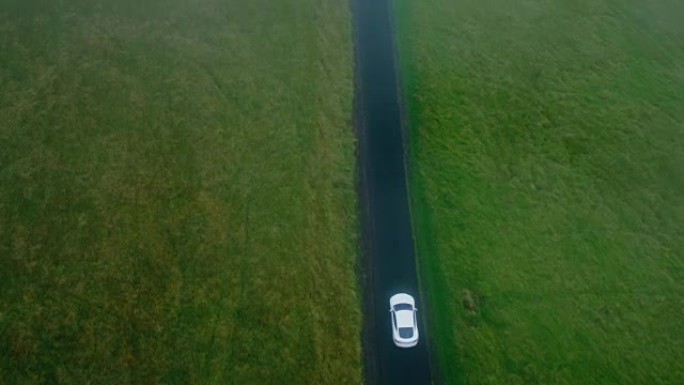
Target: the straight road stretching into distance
(387, 235)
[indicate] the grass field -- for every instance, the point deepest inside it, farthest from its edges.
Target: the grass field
(547, 156)
(177, 197)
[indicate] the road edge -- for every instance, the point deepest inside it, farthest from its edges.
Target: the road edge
(364, 264)
(406, 134)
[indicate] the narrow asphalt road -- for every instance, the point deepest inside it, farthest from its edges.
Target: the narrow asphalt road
(387, 236)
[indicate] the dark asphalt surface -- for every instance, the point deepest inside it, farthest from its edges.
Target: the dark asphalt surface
(387, 236)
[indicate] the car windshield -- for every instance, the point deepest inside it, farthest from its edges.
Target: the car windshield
(403, 306)
(405, 332)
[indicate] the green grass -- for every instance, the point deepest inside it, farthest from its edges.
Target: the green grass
(177, 200)
(547, 157)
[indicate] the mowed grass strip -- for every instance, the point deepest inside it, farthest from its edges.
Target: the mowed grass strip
(177, 200)
(547, 152)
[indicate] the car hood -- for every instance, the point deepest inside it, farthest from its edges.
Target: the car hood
(402, 298)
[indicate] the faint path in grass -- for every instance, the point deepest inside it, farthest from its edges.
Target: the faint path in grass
(387, 237)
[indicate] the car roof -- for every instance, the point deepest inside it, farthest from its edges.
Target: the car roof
(402, 298)
(404, 319)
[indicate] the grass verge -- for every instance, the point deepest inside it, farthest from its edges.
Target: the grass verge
(547, 143)
(177, 198)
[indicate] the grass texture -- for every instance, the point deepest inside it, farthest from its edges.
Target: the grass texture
(177, 200)
(547, 150)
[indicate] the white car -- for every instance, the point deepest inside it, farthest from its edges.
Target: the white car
(404, 320)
